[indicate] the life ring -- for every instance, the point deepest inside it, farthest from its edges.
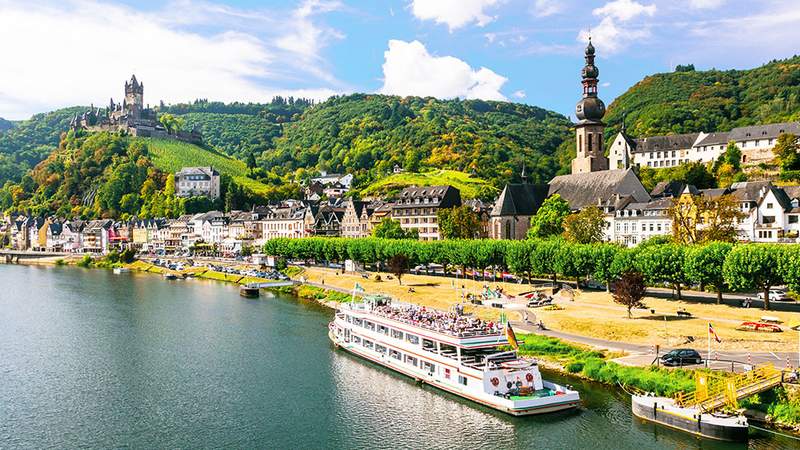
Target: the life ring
(495, 381)
(529, 377)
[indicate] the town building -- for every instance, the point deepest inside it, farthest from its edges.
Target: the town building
(416, 208)
(197, 182)
(510, 218)
(356, 219)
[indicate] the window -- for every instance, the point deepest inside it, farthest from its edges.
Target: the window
(397, 334)
(356, 340)
(383, 330)
(412, 339)
(395, 354)
(411, 360)
(793, 219)
(369, 325)
(380, 349)
(767, 219)
(368, 344)
(430, 368)
(769, 205)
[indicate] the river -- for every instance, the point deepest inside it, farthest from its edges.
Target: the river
(93, 359)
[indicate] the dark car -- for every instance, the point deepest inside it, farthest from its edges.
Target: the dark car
(681, 357)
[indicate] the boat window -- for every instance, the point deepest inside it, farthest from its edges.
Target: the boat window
(369, 325)
(349, 318)
(397, 334)
(368, 344)
(356, 339)
(357, 321)
(411, 360)
(395, 354)
(428, 366)
(412, 338)
(383, 329)
(429, 345)
(380, 349)
(462, 380)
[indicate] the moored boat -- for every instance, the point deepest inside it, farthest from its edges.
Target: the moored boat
(120, 270)
(456, 353)
(170, 276)
(665, 411)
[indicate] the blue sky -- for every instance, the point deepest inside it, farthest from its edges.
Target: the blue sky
(80, 51)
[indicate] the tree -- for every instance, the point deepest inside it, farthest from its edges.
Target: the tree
(172, 123)
(662, 263)
(251, 161)
(603, 258)
(629, 291)
(700, 218)
(458, 223)
(549, 219)
(684, 68)
(398, 265)
(703, 264)
(786, 152)
(391, 229)
(754, 266)
(585, 227)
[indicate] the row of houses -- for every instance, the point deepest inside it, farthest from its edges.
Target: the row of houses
(755, 143)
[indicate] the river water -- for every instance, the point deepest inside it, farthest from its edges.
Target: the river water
(93, 359)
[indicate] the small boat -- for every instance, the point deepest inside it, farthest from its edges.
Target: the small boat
(248, 291)
(458, 354)
(665, 411)
(120, 270)
(170, 276)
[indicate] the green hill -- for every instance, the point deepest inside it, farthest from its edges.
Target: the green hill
(170, 156)
(711, 100)
(6, 125)
(366, 135)
(469, 186)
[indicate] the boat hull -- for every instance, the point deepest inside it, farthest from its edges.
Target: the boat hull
(732, 429)
(568, 402)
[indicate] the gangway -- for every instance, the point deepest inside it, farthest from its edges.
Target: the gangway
(714, 390)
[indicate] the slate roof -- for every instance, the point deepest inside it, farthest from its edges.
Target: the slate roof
(749, 191)
(669, 189)
(520, 199)
(719, 138)
(446, 197)
(769, 131)
(590, 189)
(662, 143)
(207, 171)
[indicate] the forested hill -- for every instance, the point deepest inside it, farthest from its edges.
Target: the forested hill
(368, 134)
(5, 125)
(713, 100)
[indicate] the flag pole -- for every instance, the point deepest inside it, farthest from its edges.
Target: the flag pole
(708, 358)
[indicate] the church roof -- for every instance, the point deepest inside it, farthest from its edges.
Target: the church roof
(588, 189)
(520, 200)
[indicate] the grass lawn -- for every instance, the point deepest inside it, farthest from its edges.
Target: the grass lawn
(171, 156)
(469, 186)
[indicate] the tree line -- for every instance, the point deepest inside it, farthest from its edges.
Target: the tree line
(721, 266)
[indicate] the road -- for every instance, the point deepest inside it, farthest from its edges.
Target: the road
(644, 354)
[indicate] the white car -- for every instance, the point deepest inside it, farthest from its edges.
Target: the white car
(775, 296)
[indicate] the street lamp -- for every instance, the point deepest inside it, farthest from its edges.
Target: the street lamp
(796, 327)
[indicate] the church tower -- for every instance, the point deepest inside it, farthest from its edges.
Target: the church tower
(589, 129)
(134, 98)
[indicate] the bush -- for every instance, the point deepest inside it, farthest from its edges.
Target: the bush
(61, 262)
(86, 261)
(574, 367)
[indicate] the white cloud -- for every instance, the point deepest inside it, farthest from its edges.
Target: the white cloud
(409, 69)
(705, 4)
(454, 13)
(609, 38)
(81, 51)
(519, 94)
(545, 8)
(624, 10)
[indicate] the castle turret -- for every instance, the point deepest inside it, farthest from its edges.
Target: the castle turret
(134, 98)
(590, 110)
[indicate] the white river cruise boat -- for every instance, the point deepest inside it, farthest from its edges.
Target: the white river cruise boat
(456, 353)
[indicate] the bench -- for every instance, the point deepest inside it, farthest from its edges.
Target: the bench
(684, 313)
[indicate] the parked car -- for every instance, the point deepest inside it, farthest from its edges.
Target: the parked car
(681, 357)
(775, 295)
(594, 284)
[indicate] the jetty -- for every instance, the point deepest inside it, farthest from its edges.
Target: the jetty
(252, 290)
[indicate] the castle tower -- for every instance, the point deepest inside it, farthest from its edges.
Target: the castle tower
(134, 98)
(590, 110)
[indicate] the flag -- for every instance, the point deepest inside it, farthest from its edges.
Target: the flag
(358, 288)
(712, 332)
(512, 338)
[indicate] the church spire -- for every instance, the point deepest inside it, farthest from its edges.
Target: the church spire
(590, 110)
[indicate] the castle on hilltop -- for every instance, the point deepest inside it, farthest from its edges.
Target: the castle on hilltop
(131, 117)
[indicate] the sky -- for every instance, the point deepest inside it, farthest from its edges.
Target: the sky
(76, 52)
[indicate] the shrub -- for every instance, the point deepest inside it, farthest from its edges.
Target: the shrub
(86, 261)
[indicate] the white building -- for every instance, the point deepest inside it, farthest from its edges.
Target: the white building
(197, 182)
